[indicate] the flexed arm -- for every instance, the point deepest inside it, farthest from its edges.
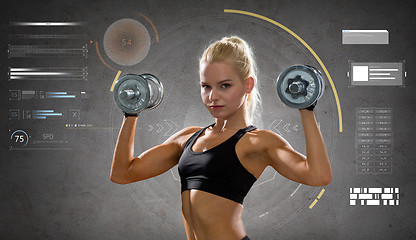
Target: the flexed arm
(124, 150)
(317, 155)
(153, 162)
(315, 168)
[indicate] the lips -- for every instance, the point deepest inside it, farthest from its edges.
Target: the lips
(216, 107)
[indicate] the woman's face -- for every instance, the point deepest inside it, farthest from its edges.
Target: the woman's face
(222, 90)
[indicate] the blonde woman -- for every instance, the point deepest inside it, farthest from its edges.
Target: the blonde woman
(218, 164)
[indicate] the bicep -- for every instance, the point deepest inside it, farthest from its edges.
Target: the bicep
(287, 161)
(161, 158)
(155, 161)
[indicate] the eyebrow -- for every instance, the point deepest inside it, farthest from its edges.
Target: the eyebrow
(223, 81)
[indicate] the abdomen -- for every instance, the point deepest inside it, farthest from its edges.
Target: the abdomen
(209, 216)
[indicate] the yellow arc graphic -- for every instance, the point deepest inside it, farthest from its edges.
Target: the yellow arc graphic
(320, 194)
(304, 44)
(313, 204)
(115, 80)
(316, 200)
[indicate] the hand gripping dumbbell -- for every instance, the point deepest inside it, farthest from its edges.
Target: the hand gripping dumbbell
(134, 93)
(300, 86)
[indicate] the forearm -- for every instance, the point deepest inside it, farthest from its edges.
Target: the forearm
(124, 150)
(318, 164)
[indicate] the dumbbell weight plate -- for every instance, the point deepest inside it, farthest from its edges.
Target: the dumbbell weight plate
(123, 93)
(321, 80)
(297, 74)
(156, 90)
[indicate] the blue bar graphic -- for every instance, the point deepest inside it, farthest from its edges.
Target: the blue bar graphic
(56, 93)
(39, 111)
(47, 114)
(66, 96)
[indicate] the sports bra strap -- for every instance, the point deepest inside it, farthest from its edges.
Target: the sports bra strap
(242, 131)
(236, 136)
(192, 139)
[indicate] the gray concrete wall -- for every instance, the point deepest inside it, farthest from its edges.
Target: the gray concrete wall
(62, 190)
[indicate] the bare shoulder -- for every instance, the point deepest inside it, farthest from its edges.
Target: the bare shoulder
(182, 135)
(264, 139)
(254, 147)
(187, 130)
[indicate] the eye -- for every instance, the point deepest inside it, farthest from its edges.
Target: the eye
(225, 85)
(203, 86)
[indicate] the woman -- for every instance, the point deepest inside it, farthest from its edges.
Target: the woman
(218, 164)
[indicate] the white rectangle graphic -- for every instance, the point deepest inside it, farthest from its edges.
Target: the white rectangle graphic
(360, 73)
(377, 73)
(373, 202)
(365, 196)
(374, 196)
(387, 196)
(375, 190)
(365, 37)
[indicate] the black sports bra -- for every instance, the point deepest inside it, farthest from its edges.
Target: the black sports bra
(217, 170)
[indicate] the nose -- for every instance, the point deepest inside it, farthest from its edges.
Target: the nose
(213, 95)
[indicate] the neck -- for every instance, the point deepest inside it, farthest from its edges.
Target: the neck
(236, 121)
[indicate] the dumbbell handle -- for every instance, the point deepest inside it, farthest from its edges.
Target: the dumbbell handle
(129, 94)
(296, 87)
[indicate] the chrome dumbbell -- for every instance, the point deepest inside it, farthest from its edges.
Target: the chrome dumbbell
(300, 86)
(134, 93)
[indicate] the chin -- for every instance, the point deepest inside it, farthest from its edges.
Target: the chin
(219, 116)
(215, 115)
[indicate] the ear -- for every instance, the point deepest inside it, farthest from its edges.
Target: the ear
(249, 85)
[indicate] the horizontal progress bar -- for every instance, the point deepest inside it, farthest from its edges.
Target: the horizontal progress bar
(384, 69)
(382, 78)
(84, 69)
(47, 24)
(62, 96)
(40, 73)
(46, 78)
(48, 36)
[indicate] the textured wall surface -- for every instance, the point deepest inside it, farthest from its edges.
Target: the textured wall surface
(61, 189)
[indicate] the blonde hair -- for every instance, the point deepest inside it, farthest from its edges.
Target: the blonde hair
(239, 53)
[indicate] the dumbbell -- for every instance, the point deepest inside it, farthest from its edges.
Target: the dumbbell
(300, 86)
(134, 93)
